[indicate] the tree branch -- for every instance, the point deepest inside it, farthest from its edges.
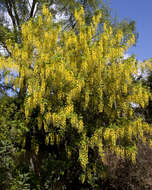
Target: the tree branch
(9, 9)
(7, 87)
(16, 14)
(3, 44)
(32, 9)
(2, 91)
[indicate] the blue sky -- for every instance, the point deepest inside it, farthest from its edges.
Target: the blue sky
(141, 12)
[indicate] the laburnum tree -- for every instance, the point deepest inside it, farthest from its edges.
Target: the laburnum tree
(78, 95)
(15, 13)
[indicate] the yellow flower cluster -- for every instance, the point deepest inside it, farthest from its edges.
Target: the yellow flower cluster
(83, 153)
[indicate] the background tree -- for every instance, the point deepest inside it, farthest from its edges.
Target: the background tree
(148, 109)
(13, 175)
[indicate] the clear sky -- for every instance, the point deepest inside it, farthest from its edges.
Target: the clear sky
(141, 12)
